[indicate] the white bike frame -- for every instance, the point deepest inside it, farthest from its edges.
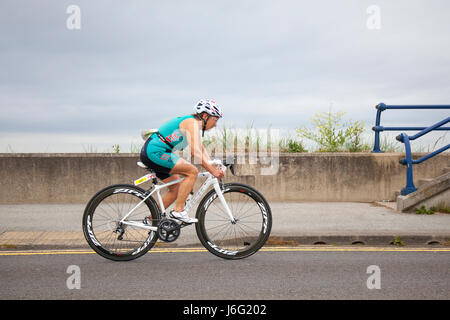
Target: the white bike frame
(210, 181)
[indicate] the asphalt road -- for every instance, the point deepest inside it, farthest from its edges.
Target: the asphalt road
(275, 274)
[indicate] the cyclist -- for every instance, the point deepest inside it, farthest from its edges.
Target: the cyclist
(176, 134)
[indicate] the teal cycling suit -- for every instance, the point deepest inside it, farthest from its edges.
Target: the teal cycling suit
(156, 154)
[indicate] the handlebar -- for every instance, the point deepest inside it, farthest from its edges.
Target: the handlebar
(223, 165)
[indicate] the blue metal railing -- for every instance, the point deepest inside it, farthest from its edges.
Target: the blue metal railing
(408, 161)
(382, 107)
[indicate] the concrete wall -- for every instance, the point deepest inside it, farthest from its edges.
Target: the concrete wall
(75, 178)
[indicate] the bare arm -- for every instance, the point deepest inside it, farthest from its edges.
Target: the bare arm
(205, 154)
(191, 130)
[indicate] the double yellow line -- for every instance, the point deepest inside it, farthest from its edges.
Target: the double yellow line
(264, 249)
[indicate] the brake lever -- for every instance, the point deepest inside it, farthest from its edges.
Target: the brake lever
(231, 165)
(232, 169)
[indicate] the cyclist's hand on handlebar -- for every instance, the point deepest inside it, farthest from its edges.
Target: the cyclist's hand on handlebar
(218, 173)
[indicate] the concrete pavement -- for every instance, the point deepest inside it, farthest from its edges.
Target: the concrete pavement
(46, 226)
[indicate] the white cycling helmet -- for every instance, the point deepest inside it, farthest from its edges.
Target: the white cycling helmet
(208, 106)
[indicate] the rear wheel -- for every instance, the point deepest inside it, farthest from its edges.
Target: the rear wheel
(112, 239)
(238, 239)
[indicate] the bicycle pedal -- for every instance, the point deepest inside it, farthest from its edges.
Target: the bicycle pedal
(181, 222)
(185, 224)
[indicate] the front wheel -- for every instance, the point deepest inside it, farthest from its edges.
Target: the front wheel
(234, 239)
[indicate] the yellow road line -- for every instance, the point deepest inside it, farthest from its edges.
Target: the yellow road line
(368, 249)
(34, 253)
(264, 249)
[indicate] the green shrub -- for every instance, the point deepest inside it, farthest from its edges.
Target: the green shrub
(333, 135)
(291, 145)
(423, 210)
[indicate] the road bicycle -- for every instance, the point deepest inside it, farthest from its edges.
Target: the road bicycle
(123, 222)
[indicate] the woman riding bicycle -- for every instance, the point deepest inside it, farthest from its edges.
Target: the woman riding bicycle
(176, 134)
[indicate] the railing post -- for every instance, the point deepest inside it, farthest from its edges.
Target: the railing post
(376, 147)
(404, 138)
(408, 161)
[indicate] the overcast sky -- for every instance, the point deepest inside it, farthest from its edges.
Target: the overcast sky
(136, 64)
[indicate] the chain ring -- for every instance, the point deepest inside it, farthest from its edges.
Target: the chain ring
(168, 230)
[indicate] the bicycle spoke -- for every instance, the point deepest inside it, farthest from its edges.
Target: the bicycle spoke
(104, 230)
(241, 237)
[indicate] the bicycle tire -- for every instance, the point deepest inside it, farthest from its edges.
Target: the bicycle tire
(100, 223)
(236, 240)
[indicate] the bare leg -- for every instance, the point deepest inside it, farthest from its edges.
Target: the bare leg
(190, 172)
(171, 195)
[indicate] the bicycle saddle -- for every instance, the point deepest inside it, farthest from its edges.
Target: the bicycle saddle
(140, 164)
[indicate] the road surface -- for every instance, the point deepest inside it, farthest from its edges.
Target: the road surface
(319, 272)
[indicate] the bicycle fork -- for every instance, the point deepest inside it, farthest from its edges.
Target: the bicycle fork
(222, 200)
